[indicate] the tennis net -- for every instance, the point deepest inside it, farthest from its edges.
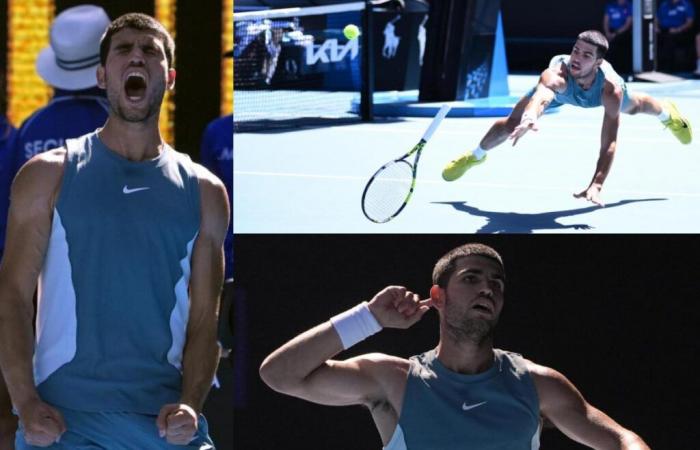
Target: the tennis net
(294, 66)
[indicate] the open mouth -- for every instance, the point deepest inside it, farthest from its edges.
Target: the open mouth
(135, 86)
(483, 308)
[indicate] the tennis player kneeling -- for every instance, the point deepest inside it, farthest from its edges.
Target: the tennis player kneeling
(496, 398)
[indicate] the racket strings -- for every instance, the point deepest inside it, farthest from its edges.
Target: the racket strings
(388, 191)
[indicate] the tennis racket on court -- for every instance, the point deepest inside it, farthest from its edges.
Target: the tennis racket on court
(389, 190)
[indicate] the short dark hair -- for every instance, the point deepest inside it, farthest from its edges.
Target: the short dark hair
(446, 265)
(141, 22)
(597, 39)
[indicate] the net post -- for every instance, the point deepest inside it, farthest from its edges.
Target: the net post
(644, 46)
(367, 90)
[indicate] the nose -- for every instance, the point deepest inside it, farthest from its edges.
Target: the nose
(136, 58)
(486, 290)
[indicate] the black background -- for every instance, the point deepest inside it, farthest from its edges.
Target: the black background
(617, 314)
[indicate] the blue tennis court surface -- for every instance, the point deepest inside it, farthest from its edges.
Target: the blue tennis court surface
(311, 180)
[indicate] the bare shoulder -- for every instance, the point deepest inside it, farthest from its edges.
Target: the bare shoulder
(612, 88)
(553, 388)
(554, 77)
(209, 182)
(40, 175)
(214, 199)
(545, 377)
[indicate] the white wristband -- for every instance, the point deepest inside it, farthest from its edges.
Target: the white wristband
(355, 325)
(528, 117)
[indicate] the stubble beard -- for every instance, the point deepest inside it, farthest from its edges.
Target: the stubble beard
(472, 330)
(135, 116)
(582, 75)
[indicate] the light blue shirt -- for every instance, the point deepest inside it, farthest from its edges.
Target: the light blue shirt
(496, 409)
(113, 292)
(591, 97)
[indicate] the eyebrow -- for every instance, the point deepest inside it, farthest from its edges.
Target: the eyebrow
(469, 270)
(585, 52)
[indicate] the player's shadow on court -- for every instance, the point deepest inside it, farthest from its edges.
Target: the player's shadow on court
(511, 222)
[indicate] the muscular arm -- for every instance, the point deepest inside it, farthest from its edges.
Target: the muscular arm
(201, 351)
(303, 366)
(28, 231)
(551, 81)
(29, 227)
(565, 407)
(612, 99)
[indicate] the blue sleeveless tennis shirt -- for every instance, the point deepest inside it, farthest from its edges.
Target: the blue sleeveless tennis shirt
(591, 97)
(445, 410)
(113, 292)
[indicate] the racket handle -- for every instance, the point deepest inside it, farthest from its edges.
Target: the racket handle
(436, 121)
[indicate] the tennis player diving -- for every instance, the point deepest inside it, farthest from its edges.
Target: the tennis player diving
(582, 79)
(462, 391)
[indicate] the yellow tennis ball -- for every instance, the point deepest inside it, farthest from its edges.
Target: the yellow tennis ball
(351, 31)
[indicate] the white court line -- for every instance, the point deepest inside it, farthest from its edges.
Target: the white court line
(579, 127)
(479, 185)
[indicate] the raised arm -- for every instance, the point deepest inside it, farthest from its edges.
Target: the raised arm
(29, 227)
(303, 367)
(551, 81)
(612, 99)
(178, 422)
(565, 407)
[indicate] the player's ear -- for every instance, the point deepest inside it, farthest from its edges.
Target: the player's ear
(101, 77)
(437, 297)
(171, 78)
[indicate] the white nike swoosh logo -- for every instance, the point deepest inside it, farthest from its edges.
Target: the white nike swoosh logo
(126, 190)
(466, 407)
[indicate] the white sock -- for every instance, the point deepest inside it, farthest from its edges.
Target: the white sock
(664, 115)
(479, 153)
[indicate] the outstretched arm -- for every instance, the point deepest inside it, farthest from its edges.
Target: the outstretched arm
(563, 405)
(612, 99)
(550, 82)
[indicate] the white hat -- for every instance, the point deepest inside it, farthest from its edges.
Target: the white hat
(71, 61)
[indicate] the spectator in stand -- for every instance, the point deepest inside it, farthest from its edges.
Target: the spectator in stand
(675, 20)
(617, 25)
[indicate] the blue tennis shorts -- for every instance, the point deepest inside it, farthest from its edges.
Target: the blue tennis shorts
(115, 431)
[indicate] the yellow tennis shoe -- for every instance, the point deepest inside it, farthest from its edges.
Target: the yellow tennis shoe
(679, 125)
(456, 168)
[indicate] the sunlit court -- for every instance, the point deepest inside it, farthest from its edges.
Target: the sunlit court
(298, 173)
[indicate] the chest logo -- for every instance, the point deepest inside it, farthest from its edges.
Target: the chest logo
(126, 189)
(466, 407)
